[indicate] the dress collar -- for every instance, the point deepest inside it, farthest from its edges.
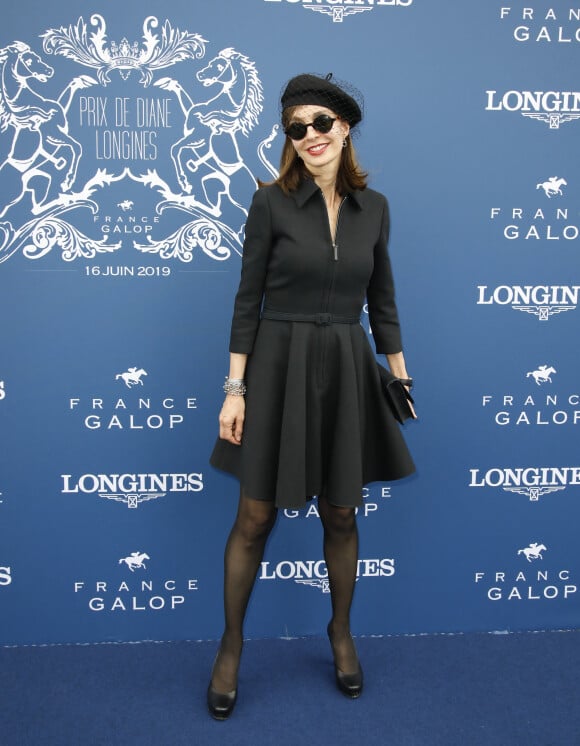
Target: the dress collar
(308, 187)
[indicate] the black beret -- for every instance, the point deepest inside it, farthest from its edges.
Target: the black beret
(310, 89)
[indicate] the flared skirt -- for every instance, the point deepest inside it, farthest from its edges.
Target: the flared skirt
(316, 418)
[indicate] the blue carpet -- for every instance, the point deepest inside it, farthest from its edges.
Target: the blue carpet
(442, 690)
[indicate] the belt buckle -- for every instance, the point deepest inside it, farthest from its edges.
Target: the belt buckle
(323, 319)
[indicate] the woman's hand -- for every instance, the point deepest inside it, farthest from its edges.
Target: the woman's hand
(231, 419)
(398, 368)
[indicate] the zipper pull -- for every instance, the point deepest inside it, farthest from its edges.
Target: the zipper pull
(335, 251)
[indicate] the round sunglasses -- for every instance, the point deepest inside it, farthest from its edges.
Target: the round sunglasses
(322, 123)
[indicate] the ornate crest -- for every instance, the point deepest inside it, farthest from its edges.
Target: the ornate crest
(189, 175)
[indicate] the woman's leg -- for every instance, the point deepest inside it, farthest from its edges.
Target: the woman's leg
(341, 555)
(244, 552)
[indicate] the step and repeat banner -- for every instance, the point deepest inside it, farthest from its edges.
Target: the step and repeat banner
(131, 138)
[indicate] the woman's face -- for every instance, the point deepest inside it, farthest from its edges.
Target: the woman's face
(319, 151)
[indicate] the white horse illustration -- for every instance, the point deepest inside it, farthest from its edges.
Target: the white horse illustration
(135, 561)
(41, 145)
(132, 377)
(542, 375)
(533, 552)
(211, 127)
(553, 186)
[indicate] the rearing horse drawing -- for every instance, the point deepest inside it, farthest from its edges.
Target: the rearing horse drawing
(41, 144)
(210, 127)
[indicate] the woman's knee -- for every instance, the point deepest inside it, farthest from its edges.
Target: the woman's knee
(255, 518)
(335, 518)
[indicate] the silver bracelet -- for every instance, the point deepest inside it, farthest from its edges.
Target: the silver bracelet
(235, 386)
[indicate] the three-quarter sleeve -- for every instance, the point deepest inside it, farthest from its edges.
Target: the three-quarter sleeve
(383, 316)
(256, 252)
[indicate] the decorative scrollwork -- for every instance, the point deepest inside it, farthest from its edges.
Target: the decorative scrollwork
(6, 239)
(52, 232)
(92, 50)
(202, 233)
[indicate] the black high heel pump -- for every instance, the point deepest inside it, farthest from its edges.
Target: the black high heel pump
(350, 684)
(220, 705)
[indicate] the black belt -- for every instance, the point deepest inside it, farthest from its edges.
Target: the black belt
(321, 319)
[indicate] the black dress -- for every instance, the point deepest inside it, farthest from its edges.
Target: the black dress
(316, 419)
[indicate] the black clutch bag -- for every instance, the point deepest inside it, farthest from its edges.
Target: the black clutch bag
(397, 396)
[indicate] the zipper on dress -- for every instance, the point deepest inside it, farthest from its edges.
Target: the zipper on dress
(333, 241)
(334, 244)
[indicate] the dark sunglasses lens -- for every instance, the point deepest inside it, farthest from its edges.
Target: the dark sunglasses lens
(296, 131)
(323, 123)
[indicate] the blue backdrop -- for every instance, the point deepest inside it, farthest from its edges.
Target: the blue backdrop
(131, 136)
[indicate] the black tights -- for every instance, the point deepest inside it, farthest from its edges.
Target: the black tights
(341, 555)
(243, 555)
(244, 552)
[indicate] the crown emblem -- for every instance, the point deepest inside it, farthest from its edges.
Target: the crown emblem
(124, 56)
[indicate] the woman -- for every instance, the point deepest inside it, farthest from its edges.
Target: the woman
(304, 413)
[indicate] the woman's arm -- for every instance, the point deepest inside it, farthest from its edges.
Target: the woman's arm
(383, 314)
(233, 412)
(397, 366)
(247, 306)
(255, 258)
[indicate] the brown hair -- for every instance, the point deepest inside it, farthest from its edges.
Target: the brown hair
(350, 175)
